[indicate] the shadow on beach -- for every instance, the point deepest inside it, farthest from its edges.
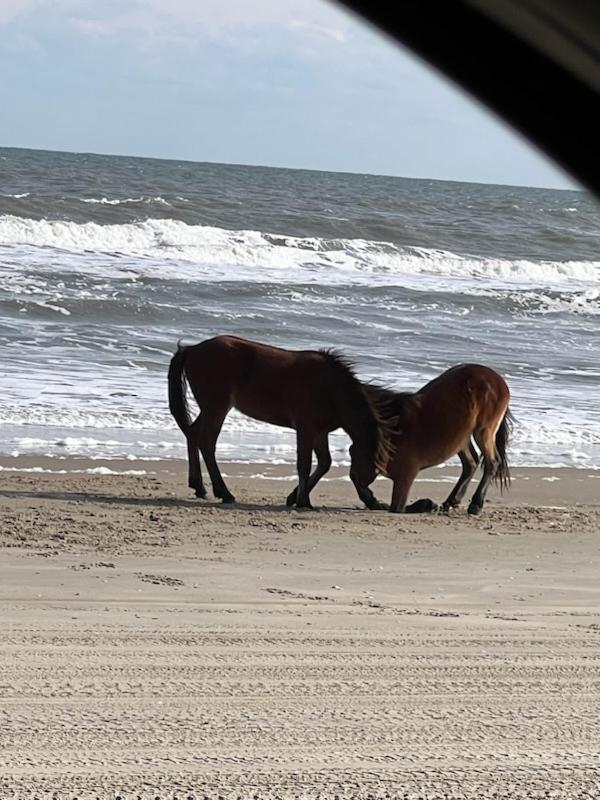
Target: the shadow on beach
(167, 502)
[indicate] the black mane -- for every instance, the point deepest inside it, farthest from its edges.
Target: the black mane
(365, 408)
(392, 407)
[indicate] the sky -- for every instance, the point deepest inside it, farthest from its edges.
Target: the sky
(289, 83)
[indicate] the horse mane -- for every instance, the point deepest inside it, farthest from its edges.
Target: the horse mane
(374, 424)
(392, 406)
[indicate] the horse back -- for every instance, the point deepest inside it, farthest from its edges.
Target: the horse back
(472, 393)
(267, 383)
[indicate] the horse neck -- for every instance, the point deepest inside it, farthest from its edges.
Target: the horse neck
(353, 422)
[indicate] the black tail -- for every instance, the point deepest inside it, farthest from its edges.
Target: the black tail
(502, 476)
(177, 390)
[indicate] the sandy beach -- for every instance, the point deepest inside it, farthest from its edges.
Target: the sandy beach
(154, 645)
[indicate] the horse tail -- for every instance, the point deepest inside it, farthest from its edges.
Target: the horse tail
(503, 433)
(177, 389)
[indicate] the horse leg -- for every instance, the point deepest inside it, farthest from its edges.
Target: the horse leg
(304, 444)
(403, 473)
(486, 443)
(403, 480)
(368, 498)
(194, 469)
(363, 483)
(469, 458)
(210, 428)
(321, 448)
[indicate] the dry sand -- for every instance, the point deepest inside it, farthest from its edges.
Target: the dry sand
(153, 645)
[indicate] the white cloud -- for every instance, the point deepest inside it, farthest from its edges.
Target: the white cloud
(10, 9)
(330, 33)
(317, 14)
(313, 18)
(240, 25)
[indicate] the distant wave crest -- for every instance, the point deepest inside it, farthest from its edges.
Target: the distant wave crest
(106, 201)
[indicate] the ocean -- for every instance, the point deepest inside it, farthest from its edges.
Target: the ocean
(107, 261)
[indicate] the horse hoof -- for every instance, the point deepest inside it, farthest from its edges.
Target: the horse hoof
(474, 510)
(291, 499)
(228, 499)
(201, 493)
(304, 506)
(378, 506)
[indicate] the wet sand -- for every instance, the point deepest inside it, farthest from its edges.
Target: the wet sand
(154, 645)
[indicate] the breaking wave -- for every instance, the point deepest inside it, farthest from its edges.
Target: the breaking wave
(329, 259)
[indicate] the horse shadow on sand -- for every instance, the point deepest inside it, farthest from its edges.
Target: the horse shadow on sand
(170, 502)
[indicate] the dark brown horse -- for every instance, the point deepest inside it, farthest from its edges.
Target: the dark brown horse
(467, 402)
(312, 391)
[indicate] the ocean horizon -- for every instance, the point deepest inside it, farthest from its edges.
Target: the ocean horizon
(317, 170)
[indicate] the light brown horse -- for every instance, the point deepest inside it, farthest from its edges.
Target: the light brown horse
(466, 402)
(312, 391)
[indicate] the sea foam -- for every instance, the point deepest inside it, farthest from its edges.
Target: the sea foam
(254, 255)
